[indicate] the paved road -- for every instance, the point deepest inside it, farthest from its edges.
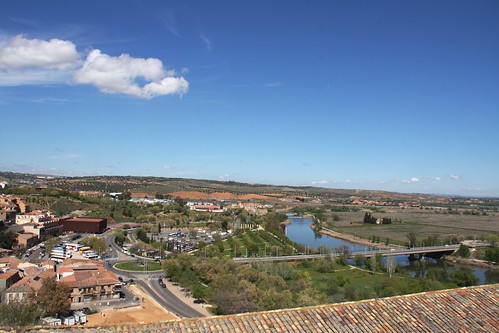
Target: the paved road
(149, 282)
(167, 299)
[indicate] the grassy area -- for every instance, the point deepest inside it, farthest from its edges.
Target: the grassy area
(258, 243)
(139, 266)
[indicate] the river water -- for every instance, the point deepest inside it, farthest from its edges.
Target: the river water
(299, 231)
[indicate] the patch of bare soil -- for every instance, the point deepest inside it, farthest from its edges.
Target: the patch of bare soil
(191, 195)
(145, 313)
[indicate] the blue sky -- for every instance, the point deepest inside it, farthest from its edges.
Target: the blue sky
(391, 95)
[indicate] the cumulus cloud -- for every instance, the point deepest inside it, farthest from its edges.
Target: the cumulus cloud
(455, 177)
(120, 74)
(320, 182)
(411, 180)
(34, 61)
(23, 53)
(169, 167)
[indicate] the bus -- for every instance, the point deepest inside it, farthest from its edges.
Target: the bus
(85, 248)
(73, 246)
(60, 252)
(93, 256)
(57, 257)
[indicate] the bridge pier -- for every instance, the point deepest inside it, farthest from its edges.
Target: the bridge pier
(415, 256)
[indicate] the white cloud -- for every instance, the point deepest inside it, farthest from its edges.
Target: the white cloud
(30, 76)
(438, 178)
(120, 74)
(206, 42)
(455, 177)
(169, 167)
(411, 181)
(33, 61)
(321, 182)
(23, 53)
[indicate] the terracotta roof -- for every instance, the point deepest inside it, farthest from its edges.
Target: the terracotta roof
(11, 262)
(473, 309)
(86, 274)
(26, 284)
(8, 274)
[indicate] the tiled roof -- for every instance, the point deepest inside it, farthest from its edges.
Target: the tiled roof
(90, 278)
(473, 309)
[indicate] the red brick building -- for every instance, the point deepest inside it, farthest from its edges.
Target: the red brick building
(84, 225)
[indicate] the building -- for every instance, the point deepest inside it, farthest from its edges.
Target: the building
(84, 225)
(26, 240)
(88, 280)
(35, 227)
(27, 286)
(7, 215)
(20, 279)
(36, 216)
(44, 229)
(5, 252)
(207, 208)
(11, 205)
(8, 278)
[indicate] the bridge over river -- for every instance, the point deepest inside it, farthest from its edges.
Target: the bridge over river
(415, 252)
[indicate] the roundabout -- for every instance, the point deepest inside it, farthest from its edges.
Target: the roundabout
(139, 267)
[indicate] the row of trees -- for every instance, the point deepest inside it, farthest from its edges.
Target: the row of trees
(368, 218)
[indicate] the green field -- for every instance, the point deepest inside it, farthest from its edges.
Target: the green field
(139, 266)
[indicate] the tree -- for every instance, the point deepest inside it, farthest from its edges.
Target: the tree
(19, 314)
(463, 251)
(199, 291)
(119, 237)
(412, 238)
(391, 265)
(492, 254)
(464, 277)
(54, 297)
(359, 259)
(373, 264)
(7, 239)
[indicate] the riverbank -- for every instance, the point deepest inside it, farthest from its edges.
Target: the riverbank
(353, 239)
(470, 262)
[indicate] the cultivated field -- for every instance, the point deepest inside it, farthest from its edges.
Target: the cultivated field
(423, 222)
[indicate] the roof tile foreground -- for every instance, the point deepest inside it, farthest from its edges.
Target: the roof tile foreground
(473, 309)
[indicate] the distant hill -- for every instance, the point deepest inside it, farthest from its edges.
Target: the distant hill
(219, 189)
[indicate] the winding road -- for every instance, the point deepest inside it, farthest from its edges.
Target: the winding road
(148, 281)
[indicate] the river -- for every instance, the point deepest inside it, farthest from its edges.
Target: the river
(299, 231)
